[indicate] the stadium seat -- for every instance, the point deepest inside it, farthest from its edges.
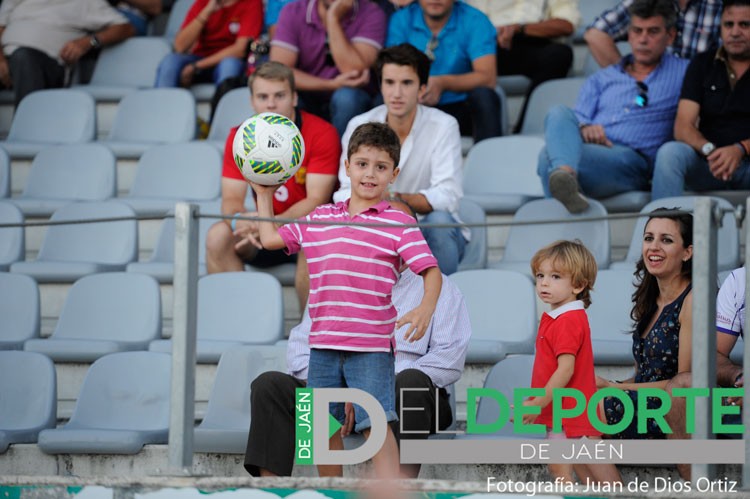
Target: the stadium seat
(514, 84)
(233, 108)
(19, 309)
(224, 427)
(500, 173)
(550, 93)
(160, 264)
(103, 314)
(49, 117)
(728, 239)
(176, 16)
(505, 376)
(146, 118)
(525, 240)
(12, 239)
(234, 309)
(590, 10)
(590, 66)
(71, 251)
(125, 67)
(502, 308)
(123, 405)
(28, 397)
(609, 317)
(475, 253)
(62, 174)
(4, 174)
(171, 173)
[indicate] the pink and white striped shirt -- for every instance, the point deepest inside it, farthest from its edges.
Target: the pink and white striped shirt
(352, 273)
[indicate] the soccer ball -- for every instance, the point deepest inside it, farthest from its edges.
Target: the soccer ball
(268, 149)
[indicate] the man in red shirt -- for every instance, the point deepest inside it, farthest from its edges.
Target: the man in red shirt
(211, 43)
(232, 243)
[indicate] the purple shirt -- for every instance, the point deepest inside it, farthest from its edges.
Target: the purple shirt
(301, 30)
(352, 273)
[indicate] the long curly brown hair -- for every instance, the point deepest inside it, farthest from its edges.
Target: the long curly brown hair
(647, 289)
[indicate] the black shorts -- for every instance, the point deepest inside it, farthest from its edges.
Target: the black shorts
(270, 258)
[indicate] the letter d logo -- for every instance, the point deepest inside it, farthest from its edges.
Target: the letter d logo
(322, 397)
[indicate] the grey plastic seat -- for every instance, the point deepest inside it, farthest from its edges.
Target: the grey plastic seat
(234, 309)
(233, 108)
(49, 117)
(550, 93)
(500, 173)
(4, 174)
(103, 314)
(475, 253)
(167, 174)
(28, 397)
(160, 264)
(728, 242)
(224, 427)
(150, 117)
(505, 376)
(502, 309)
(609, 317)
(123, 405)
(524, 240)
(176, 16)
(12, 239)
(125, 67)
(514, 85)
(71, 251)
(19, 309)
(590, 10)
(590, 66)
(62, 174)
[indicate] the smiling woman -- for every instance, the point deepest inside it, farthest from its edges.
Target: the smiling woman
(662, 312)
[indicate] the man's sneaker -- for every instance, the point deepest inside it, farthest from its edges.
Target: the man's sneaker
(564, 187)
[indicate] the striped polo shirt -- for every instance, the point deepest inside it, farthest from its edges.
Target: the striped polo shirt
(352, 273)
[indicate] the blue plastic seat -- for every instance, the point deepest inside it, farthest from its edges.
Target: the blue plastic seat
(233, 109)
(123, 405)
(28, 397)
(475, 253)
(176, 16)
(609, 317)
(71, 251)
(171, 173)
(62, 174)
(19, 309)
(502, 308)
(524, 240)
(4, 174)
(49, 117)
(234, 309)
(103, 314)
(500, 173)
(12, 239)
(550, 93)
(590, 10)
(150, 117)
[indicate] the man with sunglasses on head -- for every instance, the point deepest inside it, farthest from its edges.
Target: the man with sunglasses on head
(712, 128)
(331, 44)
(606, 146)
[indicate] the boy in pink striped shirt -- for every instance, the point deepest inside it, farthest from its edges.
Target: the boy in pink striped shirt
(352, 273)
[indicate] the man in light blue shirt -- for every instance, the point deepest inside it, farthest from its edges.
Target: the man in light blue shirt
(624, 112)
(460, 41)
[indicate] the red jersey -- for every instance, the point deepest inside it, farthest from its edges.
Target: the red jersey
(243, 18)
(565, 330)
(322, 155)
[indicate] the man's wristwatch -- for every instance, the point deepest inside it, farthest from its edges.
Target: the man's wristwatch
(94, 41)
(707, 148)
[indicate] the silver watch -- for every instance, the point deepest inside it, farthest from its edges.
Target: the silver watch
(707, 148)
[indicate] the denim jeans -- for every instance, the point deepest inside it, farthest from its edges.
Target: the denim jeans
(602, 171)
(168, 73)
(478, 115)
(678, 167)
(446, 244)
(346, 103)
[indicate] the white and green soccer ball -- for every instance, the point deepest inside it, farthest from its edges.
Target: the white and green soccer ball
(268, 149)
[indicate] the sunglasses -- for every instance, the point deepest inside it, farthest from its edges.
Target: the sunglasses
(432, 45)
(641, 100)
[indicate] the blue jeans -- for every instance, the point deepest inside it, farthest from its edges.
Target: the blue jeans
(446, 244)
(346, 103)
(678, 167)
(168, 73)
(372, 372)
(602, 171)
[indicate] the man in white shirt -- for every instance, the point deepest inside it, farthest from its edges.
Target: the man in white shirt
(430, 181)
(433, 362)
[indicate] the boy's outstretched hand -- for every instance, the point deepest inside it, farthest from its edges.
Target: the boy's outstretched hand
(418, 320)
